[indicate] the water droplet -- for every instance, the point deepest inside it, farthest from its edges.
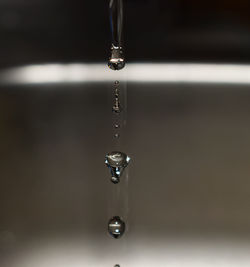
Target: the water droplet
(116, 83)
(117, 265)
(116, 135)
(116, 227)
(117, 108)
(117, 126)
(116, 60)
(115, 180)
(116, 161)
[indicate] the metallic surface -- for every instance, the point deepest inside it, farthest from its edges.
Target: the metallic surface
(188, 187)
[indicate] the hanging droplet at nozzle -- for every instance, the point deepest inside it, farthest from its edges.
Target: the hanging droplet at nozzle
(116, 227)
(116, 60)
(116, 162)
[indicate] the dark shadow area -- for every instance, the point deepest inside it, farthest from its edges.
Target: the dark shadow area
(37, 31)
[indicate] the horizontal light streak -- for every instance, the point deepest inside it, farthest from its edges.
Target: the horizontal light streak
(141, 72)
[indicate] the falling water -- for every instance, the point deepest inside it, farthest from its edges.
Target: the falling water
(116, 159)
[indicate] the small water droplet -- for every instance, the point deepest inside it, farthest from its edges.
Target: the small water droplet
(116, 161)
(116, 135)
(115, 180)
(117, 126)
(116, 227)
(117, 108)
(116, 83)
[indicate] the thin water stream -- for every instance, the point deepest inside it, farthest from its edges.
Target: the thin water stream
(117, 160)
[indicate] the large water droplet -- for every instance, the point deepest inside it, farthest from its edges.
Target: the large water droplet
(116, 60)
(116, 227)
(116, 162)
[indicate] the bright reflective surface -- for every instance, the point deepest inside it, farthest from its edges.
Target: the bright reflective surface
(141, 72)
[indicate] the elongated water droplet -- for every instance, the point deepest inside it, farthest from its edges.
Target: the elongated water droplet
(116, 161)
(117, 107)
(116, 227)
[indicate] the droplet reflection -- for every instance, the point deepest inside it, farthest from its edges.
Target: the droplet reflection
(116, 227)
